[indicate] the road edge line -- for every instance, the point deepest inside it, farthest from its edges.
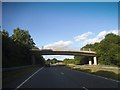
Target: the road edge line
(101, 76)
(28, 78)
(85, 88)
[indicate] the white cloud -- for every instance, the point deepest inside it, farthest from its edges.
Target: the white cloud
(117, 32)
(82, 36)
(83, 39)
(60, 45)
(98, 38)
(101, 35)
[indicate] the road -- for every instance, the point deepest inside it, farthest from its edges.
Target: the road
(61, 77)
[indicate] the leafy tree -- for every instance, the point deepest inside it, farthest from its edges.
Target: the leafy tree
(108, 50)
(48, 60)
(81, 59)
(54, 60)
(68, 61)
(16, 49)
(39, 59)
(23, 36)
(5, 33)
(5, 48)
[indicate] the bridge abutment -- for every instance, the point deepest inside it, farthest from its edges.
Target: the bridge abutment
(94, 61)
(90, 61)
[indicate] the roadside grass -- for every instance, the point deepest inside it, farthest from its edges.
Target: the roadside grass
(104, 73)
(8, 76)
(107, 74)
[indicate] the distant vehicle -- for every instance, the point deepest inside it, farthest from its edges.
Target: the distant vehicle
(53, 64)
(47, 65)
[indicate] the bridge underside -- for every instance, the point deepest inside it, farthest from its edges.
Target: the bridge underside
(63, 53)
(77, 53)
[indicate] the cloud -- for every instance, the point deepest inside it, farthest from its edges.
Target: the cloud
(82, 36)
(83, 39)
(117, 32)
(98, 37)
(60, 45)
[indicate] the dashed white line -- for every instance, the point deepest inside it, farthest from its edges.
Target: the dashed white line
(85, 88)
(28, 78)
(62, 73)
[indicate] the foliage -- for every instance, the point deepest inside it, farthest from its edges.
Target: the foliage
(23, 37)
(68, 61)
(104, 73)
(39, 59)
(108, 51)
(52, 61)
(81, 59)
(15, 48)
(77, 60)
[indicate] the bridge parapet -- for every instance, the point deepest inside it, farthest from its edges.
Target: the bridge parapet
(63, 52)
(67, 52)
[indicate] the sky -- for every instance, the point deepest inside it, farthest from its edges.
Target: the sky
(62, 25)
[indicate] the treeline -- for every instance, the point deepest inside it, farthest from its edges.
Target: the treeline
(108, 51)
(78, 60)
(15, 49)
(52, 61)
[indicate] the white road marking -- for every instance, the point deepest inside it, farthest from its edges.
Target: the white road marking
(85, 88)
(28, 78)
(62, 73)
(100, 76)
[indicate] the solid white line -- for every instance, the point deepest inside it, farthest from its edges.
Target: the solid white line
(85, 88)
(62, 73)
(100, 76)
(28, 78)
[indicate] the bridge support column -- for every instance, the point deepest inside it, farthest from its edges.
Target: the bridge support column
(95, 60)
(33, 59)
(90, 61)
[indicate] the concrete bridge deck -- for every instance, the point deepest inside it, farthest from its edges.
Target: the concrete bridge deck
(63, 52)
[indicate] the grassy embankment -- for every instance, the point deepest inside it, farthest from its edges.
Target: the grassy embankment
(113, 74)
(8, 76)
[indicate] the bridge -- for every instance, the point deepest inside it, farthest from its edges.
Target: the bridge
(65, 52)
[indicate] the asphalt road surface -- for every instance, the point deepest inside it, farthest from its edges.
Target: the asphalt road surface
(62, 77)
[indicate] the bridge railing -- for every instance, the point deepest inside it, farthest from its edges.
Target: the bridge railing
(87, 49)
(82, 49)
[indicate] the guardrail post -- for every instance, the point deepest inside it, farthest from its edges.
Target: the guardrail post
(95, 60)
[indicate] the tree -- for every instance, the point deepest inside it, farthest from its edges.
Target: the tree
(54, 60)
(16, 49)
(5, 48)
(108, 50)
(81, 59)
(39, 59)
(5, 33)
(48, 60)
(23, 36)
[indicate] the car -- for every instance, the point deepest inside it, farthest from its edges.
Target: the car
(47, 65)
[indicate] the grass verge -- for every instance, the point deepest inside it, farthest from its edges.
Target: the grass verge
(8, 76)
(104, 73)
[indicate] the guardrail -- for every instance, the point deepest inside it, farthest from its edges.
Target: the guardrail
(15, 68)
